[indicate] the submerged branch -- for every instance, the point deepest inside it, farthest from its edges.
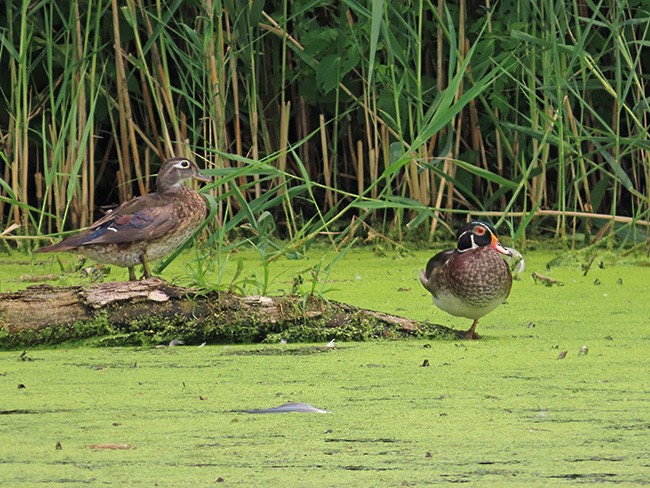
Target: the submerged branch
(154, 311)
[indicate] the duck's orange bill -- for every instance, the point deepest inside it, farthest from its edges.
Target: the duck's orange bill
(498, 247)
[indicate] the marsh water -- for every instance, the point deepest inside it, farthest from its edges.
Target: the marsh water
(555, 393)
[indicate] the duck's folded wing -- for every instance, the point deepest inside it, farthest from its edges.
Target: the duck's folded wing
(120, 226)
(436, 267)
(135, 220)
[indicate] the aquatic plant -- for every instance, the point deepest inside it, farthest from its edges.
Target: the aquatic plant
(318, 112)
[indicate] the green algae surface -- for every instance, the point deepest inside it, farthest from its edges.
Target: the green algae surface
(556, 393)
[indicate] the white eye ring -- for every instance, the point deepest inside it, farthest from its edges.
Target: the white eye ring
(182, 164)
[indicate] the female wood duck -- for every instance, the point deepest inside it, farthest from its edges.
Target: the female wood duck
(473, 279)
(145, 228)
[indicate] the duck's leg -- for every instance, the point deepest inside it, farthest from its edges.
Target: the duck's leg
(145, 266)
(132, 274)
(471, 334)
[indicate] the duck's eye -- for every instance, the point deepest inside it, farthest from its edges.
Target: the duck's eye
(479, 231)
(183, 164)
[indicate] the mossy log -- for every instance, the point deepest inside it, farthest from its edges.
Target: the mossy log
(154, 311)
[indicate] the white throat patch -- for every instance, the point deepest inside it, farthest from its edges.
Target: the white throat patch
(471, 238)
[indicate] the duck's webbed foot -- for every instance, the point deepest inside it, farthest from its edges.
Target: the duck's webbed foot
(471, 333)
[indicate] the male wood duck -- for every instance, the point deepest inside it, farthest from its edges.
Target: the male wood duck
(145, 228)
(473, 279)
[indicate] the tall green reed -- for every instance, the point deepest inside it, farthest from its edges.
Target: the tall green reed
(402, 115)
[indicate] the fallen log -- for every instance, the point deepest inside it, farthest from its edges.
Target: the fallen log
(154, 311)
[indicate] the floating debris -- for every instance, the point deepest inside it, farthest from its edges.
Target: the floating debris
(556, 261)
(587, 267)
(110, 446)
(297, 407)
(584, 350)
(538, 278)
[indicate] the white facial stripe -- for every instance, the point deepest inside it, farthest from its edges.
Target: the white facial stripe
(471, 238)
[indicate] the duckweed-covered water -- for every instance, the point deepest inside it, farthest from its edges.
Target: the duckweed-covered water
(503, 411)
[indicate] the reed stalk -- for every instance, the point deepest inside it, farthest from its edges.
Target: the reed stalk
(515, 108)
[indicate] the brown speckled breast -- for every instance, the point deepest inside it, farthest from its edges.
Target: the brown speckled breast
(479, 276)
(189, 209)
(467, 284)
